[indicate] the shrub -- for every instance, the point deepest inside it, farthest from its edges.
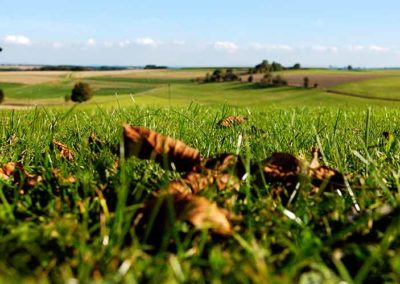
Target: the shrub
(81, 92)
(306, 82)
(1, 96)
(250, 79)
(278, 81)
(316, 85)
(67, 98)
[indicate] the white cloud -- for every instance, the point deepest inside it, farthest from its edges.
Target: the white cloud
(227, 46)
(124, 43)
(17, 39)
(379, 49)
(91, 42)
(57, 45)
(108, 44)
(267, 46)
(323, 48)
(178, 42)
(146, 41)
(355, 48)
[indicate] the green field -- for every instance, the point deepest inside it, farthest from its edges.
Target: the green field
(375, 88)
(177, 88)
(75, 220)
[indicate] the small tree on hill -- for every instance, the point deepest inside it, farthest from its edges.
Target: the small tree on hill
(81, 92)
(1, 96)
(250, 79)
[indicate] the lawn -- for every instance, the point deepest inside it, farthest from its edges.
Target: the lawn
(72, 217)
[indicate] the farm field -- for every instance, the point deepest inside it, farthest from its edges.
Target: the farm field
(177, 88)
(75, 189)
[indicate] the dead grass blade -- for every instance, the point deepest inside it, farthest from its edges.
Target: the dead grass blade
(231, 121)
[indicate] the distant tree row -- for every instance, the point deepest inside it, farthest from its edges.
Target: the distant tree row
(220, 75)
(78, 68)
(152, 66)
(265, 67)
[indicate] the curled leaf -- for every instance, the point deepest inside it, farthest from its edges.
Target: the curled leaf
(147, 144)
(231, 121)
(281, 168)
(326, 175)
(226, 163)
(65, 152)
(322, 174)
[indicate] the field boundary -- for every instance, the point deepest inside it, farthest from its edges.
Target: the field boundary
(361, 96)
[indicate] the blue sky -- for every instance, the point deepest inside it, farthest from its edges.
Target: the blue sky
(201, 33)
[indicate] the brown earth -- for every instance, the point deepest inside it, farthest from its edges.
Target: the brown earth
(323, 80)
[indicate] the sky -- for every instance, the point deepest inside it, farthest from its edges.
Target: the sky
(315, 33)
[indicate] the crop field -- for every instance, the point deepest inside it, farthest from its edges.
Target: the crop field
(177, 88)
(148, 183)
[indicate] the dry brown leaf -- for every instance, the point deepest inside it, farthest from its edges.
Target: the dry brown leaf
(204, 214)
(62, 179)
(323, 174)
(198, 211)
(65, 152)
(147, 144)
(281, 168)
(231, 121)
(226, 163)
(7, 170)
(29, 180)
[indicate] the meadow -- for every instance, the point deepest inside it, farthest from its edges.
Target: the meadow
(69, 213)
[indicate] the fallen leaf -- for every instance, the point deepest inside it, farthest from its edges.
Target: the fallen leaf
(226, 163)
(231, 121)
(326, 175)
(281, 168)
(166, 208)
(204, 214)
(65, 152)
(208, 178)
(63, 179)
(7, 170)
(322, 174)
(147, 144)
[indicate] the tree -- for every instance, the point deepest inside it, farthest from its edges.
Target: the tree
(306, 82)
(250, 79)
(230, 76)
(297, 66)
(1, 96)
(81, 92)
(350, 68)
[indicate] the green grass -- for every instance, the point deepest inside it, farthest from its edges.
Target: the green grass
(153, 81)
(56, 232)
(374, 88)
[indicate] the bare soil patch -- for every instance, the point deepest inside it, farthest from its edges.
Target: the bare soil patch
(323, 80)
(31, 77)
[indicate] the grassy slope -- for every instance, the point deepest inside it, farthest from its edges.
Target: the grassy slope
(375, 88)
(64, 231)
